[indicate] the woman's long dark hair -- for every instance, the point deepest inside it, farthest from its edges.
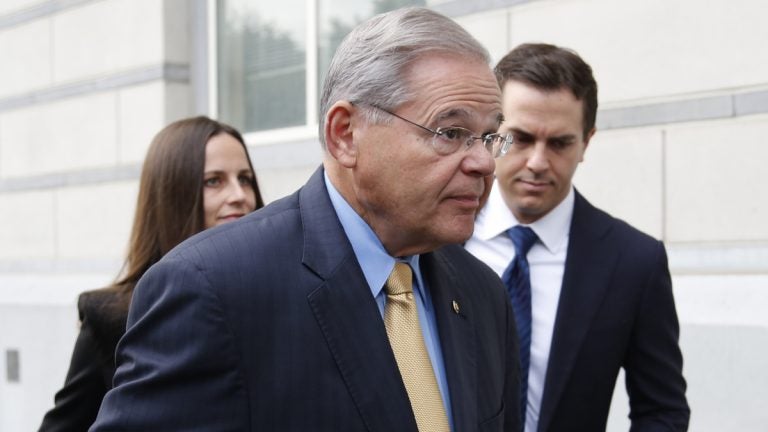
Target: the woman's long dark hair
(169, 208)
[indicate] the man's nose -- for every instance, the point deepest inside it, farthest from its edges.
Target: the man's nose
(538, 159)
(479, 160)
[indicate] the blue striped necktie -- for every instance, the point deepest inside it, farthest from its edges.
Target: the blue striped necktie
(517, 277)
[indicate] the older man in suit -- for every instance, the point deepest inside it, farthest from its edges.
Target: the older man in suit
(349, 305)
(591, 293)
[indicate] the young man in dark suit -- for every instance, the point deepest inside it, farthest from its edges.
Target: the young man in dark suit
(591, 294)
(349, 305)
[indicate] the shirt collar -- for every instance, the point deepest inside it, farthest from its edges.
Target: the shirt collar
(374, 260)
(552, 229)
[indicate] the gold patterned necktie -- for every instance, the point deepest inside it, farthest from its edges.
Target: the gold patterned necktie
(402, 322)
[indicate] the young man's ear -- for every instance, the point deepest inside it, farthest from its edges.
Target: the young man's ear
(587, 139)
(339, 133)
(589, 136)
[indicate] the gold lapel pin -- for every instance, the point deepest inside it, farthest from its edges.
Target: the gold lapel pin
(456, 307)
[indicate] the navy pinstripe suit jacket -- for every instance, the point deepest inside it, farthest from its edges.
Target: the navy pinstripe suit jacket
(267, 324)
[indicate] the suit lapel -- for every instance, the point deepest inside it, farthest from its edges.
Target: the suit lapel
(588, 269)
(349, 318)
(456, 338)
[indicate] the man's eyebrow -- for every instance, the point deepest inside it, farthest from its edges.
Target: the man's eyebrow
(520, 131)
(453, 113)
(463, 114)
(564, 137)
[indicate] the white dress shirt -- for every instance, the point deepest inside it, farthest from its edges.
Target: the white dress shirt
(546, 259)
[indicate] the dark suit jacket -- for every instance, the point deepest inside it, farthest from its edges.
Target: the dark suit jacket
(267, 324)
(103, 314)
(616, 310)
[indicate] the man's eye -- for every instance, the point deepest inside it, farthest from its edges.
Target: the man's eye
(522, 139)
(559, 144)
(453, 133)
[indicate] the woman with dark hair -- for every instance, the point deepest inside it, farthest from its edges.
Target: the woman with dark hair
(197, 174)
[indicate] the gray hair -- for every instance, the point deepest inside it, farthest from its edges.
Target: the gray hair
(369, 62)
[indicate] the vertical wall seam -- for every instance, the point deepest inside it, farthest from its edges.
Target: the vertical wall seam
(118, 126)
(1, 147)
(664, 186)
(54, 219)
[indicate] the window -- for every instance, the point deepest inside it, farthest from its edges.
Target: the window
(261, 64)
(263, 61)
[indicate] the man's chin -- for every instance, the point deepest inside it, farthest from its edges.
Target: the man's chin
(529, 213)
(462, 229)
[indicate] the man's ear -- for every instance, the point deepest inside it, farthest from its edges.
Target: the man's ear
(589, 136)
(587, 139)
(339, 137)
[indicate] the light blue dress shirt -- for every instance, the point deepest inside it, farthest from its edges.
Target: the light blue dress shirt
(377, 264)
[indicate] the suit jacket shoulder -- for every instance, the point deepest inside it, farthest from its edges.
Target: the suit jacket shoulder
(105, 310)
(617, 287)
(102, 322)
(598, 223)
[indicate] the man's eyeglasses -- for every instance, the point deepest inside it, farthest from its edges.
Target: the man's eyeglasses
(448, 140)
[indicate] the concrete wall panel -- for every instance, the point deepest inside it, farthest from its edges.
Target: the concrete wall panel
(654, 48)
(716, 179)
(65, 135)
(106, 37)
(142, 115)
(95, 221)
(11, 6)
(27, 225)
(26, 51)
(622, 173)
(491, 29)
